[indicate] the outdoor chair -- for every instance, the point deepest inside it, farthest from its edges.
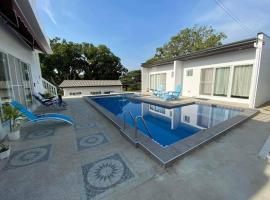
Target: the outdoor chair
(58, 99)
(42, 117)
(172, 94)
(158, 92)
(49, 102)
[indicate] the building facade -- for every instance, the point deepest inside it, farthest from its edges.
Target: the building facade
(22, 39)
(236, 72)
(90, 87)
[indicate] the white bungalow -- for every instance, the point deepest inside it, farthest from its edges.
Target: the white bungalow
(236, 72)
(90, 87)
(22, 39)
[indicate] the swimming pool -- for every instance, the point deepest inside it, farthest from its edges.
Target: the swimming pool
(166, 125)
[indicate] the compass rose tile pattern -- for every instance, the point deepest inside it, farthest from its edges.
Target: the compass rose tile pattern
(104, 174)
(28, 157)
(91, 141)
(39, 134)
(79, 126)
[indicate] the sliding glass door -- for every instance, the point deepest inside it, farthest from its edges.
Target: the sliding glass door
(206, 83)
(5, 83)
(241, 81)
(15, 80)
(157, 81)
(27, 84)
(221, 81)
(222, 76)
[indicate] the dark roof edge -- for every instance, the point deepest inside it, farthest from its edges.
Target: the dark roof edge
(234, 46)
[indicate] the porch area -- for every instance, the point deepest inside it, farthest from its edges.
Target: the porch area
(60, 162)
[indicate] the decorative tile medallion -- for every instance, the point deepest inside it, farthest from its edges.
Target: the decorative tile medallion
(38, 134)
(28, 157)
(85, 125)
(91, 141)
(104, 174)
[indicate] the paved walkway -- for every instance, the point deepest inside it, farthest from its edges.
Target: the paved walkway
(91, 160)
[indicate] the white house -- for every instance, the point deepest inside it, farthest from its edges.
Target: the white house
(90, 87)
(235, 72)
(21, 40)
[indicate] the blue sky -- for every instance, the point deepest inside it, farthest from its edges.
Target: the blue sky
(133, 29)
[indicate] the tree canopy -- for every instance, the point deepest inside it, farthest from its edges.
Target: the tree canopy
(132, 80)
(189, 40)
(75, 61)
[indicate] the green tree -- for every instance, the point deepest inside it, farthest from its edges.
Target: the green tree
(132, 80)
(189, 40)
(75, 61)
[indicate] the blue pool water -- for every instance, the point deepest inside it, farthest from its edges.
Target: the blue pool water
(167, 126)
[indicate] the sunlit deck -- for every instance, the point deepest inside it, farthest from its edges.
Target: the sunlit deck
(56, 161)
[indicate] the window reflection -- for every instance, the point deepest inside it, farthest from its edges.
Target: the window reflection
(15, 82)
(193, 116)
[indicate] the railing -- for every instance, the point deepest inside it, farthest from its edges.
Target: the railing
(144, 124)
(49, 87)
(135, 124)
(128, 112)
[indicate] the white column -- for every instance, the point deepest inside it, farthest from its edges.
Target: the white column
(256, 71)
(145, 79)
(178, 72)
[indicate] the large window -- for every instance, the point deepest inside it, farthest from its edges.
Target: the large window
(21, 80)
(15, 80)
(232, 81)
(157, 81)
(241, 81)
(27, 83)
(222, 76)
(206, 83)
(5, 85)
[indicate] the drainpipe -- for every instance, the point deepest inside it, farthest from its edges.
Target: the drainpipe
(258, 45)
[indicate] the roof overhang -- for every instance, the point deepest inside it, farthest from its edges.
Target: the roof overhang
(19, 15)
(231, 47)
(89, 86)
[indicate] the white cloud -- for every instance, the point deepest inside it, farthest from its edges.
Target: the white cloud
(252, 14)
(46, 7)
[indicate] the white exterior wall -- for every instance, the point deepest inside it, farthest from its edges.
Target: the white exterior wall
(168, 69)
(191, 84)
(262, 89)
(12, 44)
(86, 91)
(258, 57)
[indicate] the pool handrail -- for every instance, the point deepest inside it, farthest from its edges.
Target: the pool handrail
(132, 117)
(145, 126)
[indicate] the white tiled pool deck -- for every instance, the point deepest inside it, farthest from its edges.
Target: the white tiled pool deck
(92, 160)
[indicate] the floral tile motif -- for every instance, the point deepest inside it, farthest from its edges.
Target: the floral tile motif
(104, 174)
(38, 134)
(90, 141)
(78, 126)
(28, 157)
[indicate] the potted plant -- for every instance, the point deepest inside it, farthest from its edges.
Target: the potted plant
(4, 151)
(12, 115)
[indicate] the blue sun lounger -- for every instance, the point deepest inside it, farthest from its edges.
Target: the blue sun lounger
(43, 117)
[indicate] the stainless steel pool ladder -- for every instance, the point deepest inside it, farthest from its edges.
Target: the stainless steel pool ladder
(144, 124)
(135, 123)
(130, 114)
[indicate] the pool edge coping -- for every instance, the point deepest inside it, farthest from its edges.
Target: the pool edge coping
(167, 155)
